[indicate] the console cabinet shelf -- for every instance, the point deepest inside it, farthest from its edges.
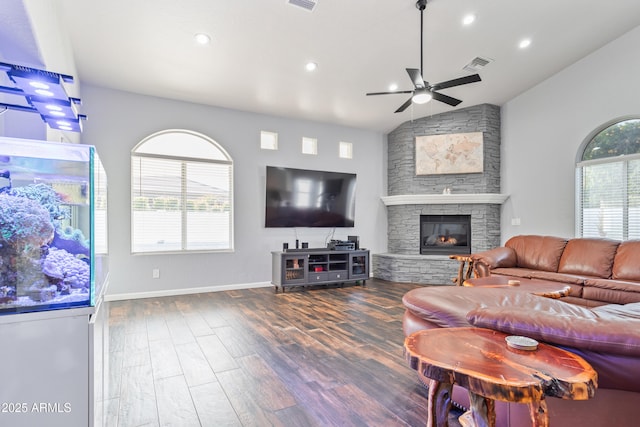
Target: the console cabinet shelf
(318, 266)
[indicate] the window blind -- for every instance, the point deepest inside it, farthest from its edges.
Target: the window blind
(180, 204)
(633, 199)
(603, 200)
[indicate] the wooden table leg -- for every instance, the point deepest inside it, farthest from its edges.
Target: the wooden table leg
(439, 404)
(483, 410)
(460, 279)
(539, 413)
(469, 269)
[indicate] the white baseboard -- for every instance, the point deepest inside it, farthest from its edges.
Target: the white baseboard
(187, 291)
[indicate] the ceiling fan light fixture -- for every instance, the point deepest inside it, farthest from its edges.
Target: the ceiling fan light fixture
(421, 96)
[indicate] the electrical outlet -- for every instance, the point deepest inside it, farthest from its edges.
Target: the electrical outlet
(515, 221)
(156, 273)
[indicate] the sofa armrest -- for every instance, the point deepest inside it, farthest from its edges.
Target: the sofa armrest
(484, 262)
(605, 335)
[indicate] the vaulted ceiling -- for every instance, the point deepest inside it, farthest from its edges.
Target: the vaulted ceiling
(258, 51)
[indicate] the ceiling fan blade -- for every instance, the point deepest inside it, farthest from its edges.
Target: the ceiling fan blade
(416, 77)
(403, 106)
(390, 93)
(446, 99)
(457, 82)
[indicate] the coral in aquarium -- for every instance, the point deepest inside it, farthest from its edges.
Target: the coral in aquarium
(72, 240)
(66, 268)
(25, 228)
(68, 238)
(27, 275)
(24, 224)
(46, 196)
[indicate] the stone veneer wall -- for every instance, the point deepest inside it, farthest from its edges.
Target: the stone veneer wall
(404, 263)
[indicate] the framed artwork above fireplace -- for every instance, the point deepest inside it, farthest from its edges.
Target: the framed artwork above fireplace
(449, 154)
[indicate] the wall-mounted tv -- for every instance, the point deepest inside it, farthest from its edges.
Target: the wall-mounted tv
(309, 198)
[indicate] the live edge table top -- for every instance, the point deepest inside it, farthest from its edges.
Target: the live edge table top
(481, 361)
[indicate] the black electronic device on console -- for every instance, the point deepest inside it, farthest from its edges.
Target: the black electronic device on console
(341, 245)
(355, 240)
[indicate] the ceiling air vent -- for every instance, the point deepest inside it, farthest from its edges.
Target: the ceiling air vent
(476, 64)
(305, 4)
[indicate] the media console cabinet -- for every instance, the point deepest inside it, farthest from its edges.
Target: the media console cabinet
(306, 267)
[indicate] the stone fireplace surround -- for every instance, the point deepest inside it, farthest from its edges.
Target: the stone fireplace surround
(410, 196)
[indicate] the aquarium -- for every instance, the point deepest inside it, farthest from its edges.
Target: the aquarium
(53, 241)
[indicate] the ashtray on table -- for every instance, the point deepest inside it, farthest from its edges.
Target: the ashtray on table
(521, 343)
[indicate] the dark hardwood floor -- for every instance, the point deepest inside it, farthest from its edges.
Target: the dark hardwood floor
(325, 356)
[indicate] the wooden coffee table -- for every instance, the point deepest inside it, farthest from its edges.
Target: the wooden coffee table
(480, 361)
(536, 287)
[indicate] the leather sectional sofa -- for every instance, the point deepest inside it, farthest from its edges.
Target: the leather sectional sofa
(599, 320)
(599, 271)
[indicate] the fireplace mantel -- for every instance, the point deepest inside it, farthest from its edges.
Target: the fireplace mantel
(445, 199)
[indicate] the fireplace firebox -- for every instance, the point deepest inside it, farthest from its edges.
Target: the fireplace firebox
(445, 234)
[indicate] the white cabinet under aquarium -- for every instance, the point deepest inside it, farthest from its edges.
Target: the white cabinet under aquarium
(53, 272)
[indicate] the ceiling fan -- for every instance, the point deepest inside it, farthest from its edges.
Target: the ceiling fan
(423, 92)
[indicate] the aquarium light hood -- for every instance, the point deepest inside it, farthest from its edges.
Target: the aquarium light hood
(45, 94)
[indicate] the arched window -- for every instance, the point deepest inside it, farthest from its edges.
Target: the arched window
(181, 194)
(608, 182)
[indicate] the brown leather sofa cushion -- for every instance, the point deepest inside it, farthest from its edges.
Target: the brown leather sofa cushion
(442, 306)
(627, 311)
(582, 301)
(589, 257)
(447, 306)
(485, 262)
(515, 272)
(572, 279)
(626, 264)
(555, 322)
(537, 252)
(611, 291)
(500, 257)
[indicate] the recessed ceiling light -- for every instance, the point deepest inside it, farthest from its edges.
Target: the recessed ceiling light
(393, 87)
(311, 66)
(524, 43)
(468, 19)
(202, 38)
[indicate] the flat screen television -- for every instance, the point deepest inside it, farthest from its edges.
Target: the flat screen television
(309, 198)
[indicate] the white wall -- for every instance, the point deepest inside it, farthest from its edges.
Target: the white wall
(543, 129)
(119, 120)
(18, 124)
